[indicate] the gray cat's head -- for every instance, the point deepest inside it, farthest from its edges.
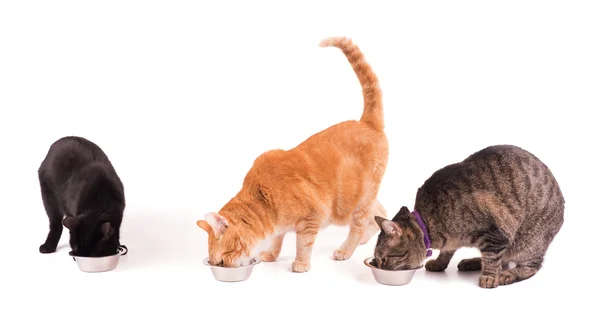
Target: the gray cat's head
(400, 244)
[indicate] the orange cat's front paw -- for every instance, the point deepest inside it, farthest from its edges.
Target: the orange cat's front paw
(299, 266)
(268, 257)
(341, 255)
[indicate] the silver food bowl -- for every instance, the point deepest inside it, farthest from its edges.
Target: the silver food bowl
(99, 264)
(391, 277)
(231, 274)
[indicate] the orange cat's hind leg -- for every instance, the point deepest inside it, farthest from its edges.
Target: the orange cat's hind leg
(358, 226)
(372, 227)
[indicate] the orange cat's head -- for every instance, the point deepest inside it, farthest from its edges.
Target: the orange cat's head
(228, 244)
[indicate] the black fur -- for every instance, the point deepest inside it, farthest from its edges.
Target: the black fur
(79, 183)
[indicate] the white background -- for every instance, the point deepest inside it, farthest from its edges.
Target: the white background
(182, 96)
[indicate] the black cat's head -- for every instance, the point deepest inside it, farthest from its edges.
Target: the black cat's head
(91, 237)
(400, 244)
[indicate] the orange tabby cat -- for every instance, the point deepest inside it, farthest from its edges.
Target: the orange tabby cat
(331, 178)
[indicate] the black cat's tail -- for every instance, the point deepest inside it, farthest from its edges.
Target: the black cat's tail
(373, 106)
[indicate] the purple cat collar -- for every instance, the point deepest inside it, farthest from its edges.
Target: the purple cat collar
(425, 234)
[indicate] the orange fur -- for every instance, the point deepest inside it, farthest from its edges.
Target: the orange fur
(332, 177)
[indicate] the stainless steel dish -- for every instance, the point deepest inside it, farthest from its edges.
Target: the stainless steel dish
(391, 277)
(97, 264)
(100, 264)
(231, 274)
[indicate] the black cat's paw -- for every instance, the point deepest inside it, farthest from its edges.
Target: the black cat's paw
(47, 249)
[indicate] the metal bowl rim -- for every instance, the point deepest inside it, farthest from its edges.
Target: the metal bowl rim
(376, 268)
(103, 257)
(205, 262)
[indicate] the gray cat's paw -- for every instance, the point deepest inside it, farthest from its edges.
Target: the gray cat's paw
(488, 281)
(471, 264)
(434, 266)
(507, 277)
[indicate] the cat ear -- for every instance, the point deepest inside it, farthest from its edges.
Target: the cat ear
(387, 226)
(204, 225)
(107, 230)
(391, 228)
(379, 220)
(70, 222)
(217, 222)
(404, 211)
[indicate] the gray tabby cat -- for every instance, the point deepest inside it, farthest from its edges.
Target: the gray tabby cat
(502, 200)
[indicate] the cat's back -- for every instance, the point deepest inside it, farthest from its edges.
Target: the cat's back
(348, 139)
(504, 170)
(348, 142)
(511, 161)
(504, 153)
(70, 154)
(274, 165)
(75, 150)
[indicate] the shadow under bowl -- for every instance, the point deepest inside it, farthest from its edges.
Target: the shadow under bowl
(225, 274)
(391, 277)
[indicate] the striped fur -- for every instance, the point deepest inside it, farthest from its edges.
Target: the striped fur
(502, 200)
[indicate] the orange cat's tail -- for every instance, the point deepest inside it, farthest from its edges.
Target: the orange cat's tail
(373, 107)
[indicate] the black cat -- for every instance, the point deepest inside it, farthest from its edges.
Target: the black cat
(81, 190)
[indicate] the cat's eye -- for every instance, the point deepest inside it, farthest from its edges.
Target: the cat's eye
(397, 255)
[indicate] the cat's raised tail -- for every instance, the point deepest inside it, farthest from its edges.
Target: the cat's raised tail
(373, 107)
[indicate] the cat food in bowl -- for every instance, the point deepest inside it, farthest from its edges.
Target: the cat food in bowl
(390, 277)
(99, 264)
(231, 274)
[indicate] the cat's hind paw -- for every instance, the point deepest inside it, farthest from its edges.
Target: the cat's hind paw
(268, 257)
(470, 264)
(434, 266)
(341, 255)
(506, 278)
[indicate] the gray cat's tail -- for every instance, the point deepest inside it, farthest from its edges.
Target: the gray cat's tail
(373, 107)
